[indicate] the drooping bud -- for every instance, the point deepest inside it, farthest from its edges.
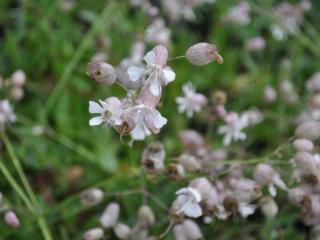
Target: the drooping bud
(122, 231)
(11, 219)
(102, 73)
(179, 232)
(146, 216)
(91, 196)
(189, 162)
(153, 157)
(93, 234)
(110, 215)
(268, 207)
(303, 145)
(307, 166)
(192, 230)
(309, 130)
(203, 53)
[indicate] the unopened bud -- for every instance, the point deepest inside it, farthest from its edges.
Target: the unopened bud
(93, 234)
(122, 231)
(110, 215)
(18, 78)
(309, 130)
(203, 53)
(153, 157)
(189, 162)
(303, 145)
(11, 219)
(91, 196)
(192, 230)
(102, 72)
(16, 93)
(268, 207)
(146, 216)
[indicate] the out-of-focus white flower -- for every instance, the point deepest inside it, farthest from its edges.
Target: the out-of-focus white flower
(239, 14)
(269, 94)
(255, 44)
(191, 102)
(245, 209)
(288, 92)
(233, 129)
(254, 116)
(158, 73)
(143, 121)
(189, 198)
(313, 84)
(11, 219)
(6, 113)
(157, 33)
(93, 234)
(110, 215)
(110, 112)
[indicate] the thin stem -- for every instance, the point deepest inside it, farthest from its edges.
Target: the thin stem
(167, 230)
(175, 58)
(19, 169)
(44, 228)
(16, 186)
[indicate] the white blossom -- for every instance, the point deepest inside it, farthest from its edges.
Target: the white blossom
(189, 198)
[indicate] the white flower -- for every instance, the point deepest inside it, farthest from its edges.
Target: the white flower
(158, 33)
(156, 70)
(6, 113)
(246, 209)
(192, 102)
(233, 129)
(188, 199)
(144, 121)
(110, 112)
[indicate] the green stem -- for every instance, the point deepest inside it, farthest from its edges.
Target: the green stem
(19, 169)
(44, 228)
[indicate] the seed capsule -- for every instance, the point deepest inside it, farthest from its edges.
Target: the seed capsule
(203, 53)
(102, 73)
(110, 215)
(309, 130)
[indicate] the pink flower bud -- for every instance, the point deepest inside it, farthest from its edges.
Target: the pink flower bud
(122, 231)
(303, 145)
(179, 232)
(102, 73)
(110, 215)
(91, 196)
(268, 207)
(146, 216)
(18, 78)
(93, 234)
(309, 130)
(192, 230)
(203, 53)
(190, 163)
(161, 55)
(11, 219)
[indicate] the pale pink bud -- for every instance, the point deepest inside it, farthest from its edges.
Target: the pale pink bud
(245, 189)
(18, 78)
(255, 44)
(269, 94)
(91, 196)
(161, 55)
(122, 231)
(190, 163)
(296, 195)
(303, 145)
(191, 140)
(93, 234)
(146, 97)
(102, 73)
(309, 130)
(307, 166)
(192, 230)
(110, 215)
(11, 219)
(153, 157)
(146, 216)
(16, 93)
(268, 207)
(179, 232)
(203, 53)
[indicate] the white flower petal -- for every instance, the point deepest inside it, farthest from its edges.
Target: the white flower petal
(95, 107)
(135, 73)
(159, 121)
(272, 190)
(246, 209)
(169, 75)
(193, 210)
(150, 58)
(196, 195)
(155, 87)
(95, 121)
